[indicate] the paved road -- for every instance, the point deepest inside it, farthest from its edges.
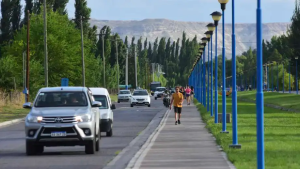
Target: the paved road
(128, 123)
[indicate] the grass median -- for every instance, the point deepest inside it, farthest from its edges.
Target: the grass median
(285, 100)
(282, 136)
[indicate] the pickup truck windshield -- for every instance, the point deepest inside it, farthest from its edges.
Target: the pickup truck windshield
(102, 99)
(61, 99)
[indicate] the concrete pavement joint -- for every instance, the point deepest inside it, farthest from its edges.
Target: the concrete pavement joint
(136, 161)
(6, 123)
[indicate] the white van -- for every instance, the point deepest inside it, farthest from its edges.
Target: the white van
(106, 113)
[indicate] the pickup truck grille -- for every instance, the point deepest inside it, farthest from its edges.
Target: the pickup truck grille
(68, 119)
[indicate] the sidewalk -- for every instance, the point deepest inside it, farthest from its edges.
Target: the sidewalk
(186, 146)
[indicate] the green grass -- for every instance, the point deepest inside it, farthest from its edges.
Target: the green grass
(282, 136)
(9, 113)
(114, 98)
(279, 99)
(117, 152)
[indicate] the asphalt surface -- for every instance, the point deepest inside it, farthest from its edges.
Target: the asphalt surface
(128, 124)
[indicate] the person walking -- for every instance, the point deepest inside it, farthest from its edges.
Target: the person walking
(177, 100)
(192, 93)
(188, 94)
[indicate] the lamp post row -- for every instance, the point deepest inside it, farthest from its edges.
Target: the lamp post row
(259, 96)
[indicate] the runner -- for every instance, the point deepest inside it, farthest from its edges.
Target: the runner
(177, 100)
(188, 94)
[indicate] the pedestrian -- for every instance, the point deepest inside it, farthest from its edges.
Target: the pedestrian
(177, 100)
(192, 93)
(188, 94)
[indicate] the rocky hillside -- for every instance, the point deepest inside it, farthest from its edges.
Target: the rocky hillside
(152, 28)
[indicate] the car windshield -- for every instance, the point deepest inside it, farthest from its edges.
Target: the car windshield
(140, 93)
(160, 89)
(154, 86)
(124, 92)
(61, 99)
(102, 99)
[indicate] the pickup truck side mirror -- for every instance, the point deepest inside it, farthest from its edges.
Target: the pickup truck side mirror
(96, 104)
(27, 105)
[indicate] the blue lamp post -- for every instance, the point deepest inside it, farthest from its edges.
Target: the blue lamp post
(211, 27)
(277, 79)
(208, 35)
(268, 77)
(216, 17)
(289, 77)
(200, 75)
(296, 58)
(204, 40)
(282, 78)
(200, 79)
(259, 94)
(223, 7)
(234, 92)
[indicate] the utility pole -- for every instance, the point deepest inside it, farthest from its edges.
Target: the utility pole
(126, 69)
(153, 68)
(45, 44)
(116, 43)
(82, 54)
(27, 59)
(135, 65)
(102, 38)
(24, 71)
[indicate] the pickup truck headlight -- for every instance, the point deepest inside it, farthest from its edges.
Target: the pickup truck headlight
(84, 118)
(34, 119)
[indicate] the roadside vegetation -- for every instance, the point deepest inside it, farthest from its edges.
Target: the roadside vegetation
(282, 130)
(11, 106)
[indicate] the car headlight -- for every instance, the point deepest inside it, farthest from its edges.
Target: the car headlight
(84, 118)
(132, 98)
(104, 116)
(34, 119)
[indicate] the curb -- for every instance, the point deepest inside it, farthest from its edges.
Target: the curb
(136, 161)
(6, 123)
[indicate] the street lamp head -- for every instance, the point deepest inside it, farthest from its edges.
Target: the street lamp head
(208, 35)
(223, 4)
(296, 57)
(204, 40)
(211, 27)
(216, 17)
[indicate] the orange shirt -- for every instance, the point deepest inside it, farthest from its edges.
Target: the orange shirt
(177, 99)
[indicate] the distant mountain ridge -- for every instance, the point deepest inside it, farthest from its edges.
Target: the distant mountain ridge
(152, 28)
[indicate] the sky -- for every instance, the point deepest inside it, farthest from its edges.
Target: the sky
(187, 10)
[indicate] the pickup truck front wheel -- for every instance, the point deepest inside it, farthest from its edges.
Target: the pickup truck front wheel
(90, 147)
(98, 141)
(31, 149)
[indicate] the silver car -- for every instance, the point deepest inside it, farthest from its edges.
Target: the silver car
(62, 116)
